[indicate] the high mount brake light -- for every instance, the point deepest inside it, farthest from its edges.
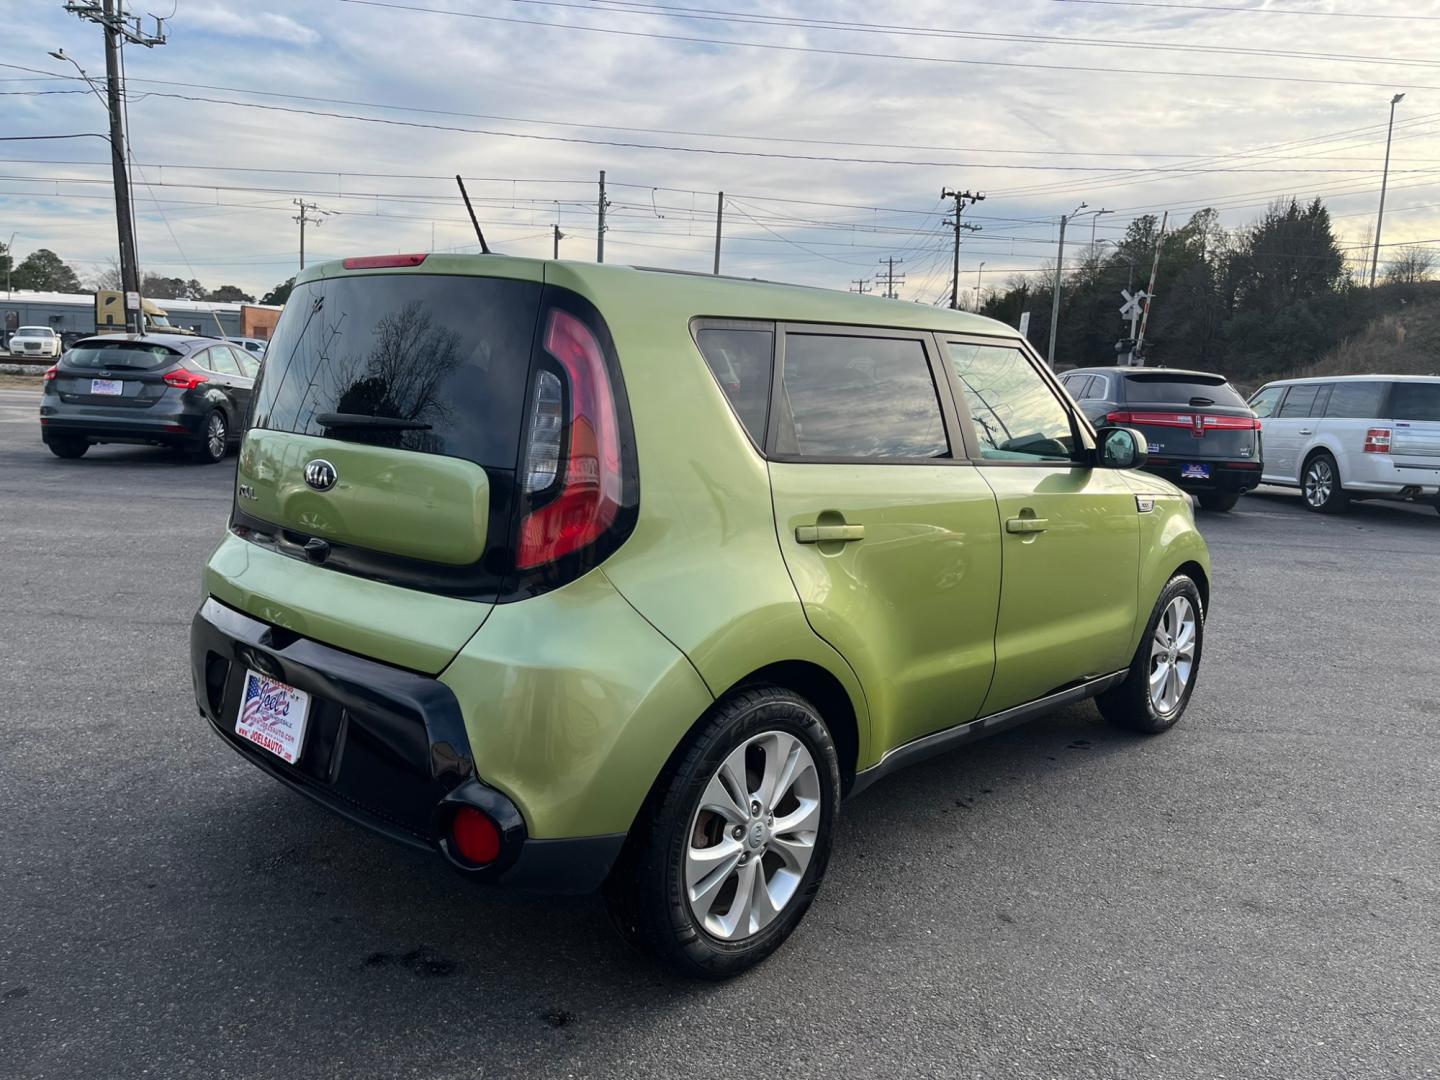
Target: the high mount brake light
(372, 262)
(590, 472)
(1377, 440)
(184, 379)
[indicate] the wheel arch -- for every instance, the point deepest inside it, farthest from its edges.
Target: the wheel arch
(827, 693)
(1312, 453)
(1196, 573)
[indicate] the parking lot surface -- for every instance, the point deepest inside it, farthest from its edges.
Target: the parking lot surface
(1255, 894)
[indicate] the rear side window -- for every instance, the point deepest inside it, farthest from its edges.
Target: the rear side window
(1177, 390)
(1415, 401)
(858, 397)
(1300, 400)
(1017, 416)
(1078, 385)
(446, 355)
(741, 361)
(134, 355)
(1098, 388)
(1360, 400)
(219, 359)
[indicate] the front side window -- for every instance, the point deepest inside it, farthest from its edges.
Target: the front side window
(1299, 401)
(858, 397)
(740, 359)
(1263, 404)
(1356, 400)
(1415, 401)
(1017, 416)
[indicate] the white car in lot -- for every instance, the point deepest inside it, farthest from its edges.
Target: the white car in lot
(1352, 437)
(37, 341)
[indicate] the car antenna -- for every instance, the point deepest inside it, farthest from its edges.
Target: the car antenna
(484, 247)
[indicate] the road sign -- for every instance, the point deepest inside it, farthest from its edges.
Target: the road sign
(132, 301)
(1133, 303)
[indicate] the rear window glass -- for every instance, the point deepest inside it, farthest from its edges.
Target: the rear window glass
(1178, 390)
(740, 361)
(120, 354)
(1356, 399)
(449, 356)
(1415, 401)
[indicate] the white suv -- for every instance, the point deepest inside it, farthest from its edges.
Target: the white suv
(35, 341)
(1352, 437)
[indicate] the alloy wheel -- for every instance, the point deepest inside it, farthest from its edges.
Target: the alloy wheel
(1319, 482)
(753, 836)
(215, 436)
(1172, 655)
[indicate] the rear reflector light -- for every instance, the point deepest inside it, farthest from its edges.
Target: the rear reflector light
(590, 491)
(183, 379)
(51, 372)
(1377, 440)
(475, 836)
(371, 262)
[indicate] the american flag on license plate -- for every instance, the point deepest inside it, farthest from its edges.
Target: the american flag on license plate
(252, 711)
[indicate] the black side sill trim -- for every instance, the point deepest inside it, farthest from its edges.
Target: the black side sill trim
(940, 742)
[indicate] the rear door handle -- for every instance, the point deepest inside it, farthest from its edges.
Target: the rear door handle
(824, 534)
(1307, 431)
(1027, 525)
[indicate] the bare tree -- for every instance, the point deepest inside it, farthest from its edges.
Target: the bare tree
(1411, 264)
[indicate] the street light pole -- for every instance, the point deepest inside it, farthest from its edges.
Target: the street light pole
(9, 263)
(1384, 179)
(978, 271)
(1065, 219)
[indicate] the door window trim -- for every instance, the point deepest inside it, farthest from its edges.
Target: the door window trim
(950, 422)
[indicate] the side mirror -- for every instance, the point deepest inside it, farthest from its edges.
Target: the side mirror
(1121, 448)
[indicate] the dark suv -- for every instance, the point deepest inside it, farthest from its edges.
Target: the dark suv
(1202, 435)
(190, 393)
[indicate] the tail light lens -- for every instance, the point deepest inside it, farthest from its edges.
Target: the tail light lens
(184, 379)
(374, 262)
(589, 473)
(1377, 440)
(51, 372)
(1232, 423)
(1153, 419)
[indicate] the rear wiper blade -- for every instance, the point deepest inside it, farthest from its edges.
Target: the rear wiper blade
(363, 420)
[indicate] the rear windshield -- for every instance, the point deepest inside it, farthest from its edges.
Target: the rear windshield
(120, 354)
(1415, 401)
(1172, 389)
(449, 356)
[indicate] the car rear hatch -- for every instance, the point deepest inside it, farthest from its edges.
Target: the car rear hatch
(381, 456)
(1414, 430)
(114, 374)
(1188, 417)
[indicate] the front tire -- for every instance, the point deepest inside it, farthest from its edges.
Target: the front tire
(70, 449)
(1321, 486)
(1162, 675)
(730, 851)
(214, 439)
(1219, 501)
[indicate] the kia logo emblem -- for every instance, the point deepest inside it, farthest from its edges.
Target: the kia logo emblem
(320, 475)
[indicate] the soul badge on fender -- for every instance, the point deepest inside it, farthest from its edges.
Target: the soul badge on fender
(272, 716)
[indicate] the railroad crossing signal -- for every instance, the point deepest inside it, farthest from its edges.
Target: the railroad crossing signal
(1133, 303)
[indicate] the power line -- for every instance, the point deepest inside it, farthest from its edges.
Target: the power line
(1251, 10)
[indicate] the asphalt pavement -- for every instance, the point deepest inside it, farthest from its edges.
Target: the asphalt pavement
(1255, 894)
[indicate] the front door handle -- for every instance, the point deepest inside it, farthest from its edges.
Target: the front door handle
(1026, 525)
(825, 534)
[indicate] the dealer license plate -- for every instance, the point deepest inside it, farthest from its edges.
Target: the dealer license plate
(1195, 472)
(272, 716)
(110, 387)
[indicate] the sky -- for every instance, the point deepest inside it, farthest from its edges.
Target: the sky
(831, 128)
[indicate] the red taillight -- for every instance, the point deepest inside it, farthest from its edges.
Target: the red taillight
(371, 262)
(1232, 423)
(1377, 440)
(475, 836)
(51, 372)
(590, 474)
(183, 379)
(1154, 419)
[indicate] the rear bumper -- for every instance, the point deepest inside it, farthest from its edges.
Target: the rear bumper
(384, 747)
(1225, 476)
(168, 427)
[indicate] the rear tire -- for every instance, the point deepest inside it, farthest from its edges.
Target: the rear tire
(214, 439)
(68, 448)
(1219, 501)
(671, 892)
(1320, 486)
(1162, 675)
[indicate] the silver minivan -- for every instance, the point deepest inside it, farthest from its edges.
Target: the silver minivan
(1347, 437)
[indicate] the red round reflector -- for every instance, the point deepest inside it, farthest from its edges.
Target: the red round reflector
(475, 836)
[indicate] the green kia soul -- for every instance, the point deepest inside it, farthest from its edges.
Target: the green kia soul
(590, 576)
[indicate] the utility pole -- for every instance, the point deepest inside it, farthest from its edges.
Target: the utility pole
(961, 198)
(862, 285)
(1384, 179)
(891, 278)
(558, 237)
(719, 220)
(1138, 355)
(604, 204)
(1065, 219)
(978, 271)
(304, 218)
(110, 15)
